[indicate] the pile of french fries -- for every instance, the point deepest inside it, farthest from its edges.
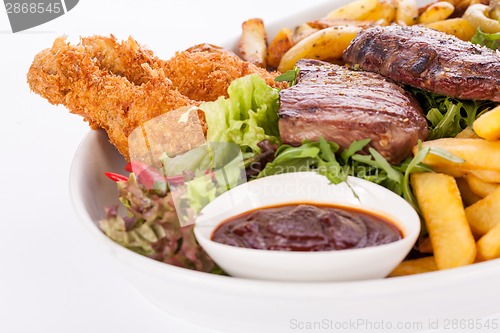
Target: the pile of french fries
(328, 37)
(460, 202)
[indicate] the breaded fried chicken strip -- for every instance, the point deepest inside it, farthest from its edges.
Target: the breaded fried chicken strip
(118, 86)
(204, 72)
(124, 58)
(76, 77)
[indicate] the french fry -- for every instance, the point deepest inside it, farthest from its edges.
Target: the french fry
(477, 154)
(356, 10)
(253, 42)
(438, 11)
(458, 27)
(439, 200)
(488, 176)
(487, 126)
(302, 31)
(484, 214)
(280, 44)
(468, 197)
(467, 133)
(406, 12)
(479, 187)
(488, 246)
(324, 44)
(415, 266)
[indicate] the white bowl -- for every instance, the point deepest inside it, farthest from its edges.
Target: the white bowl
(308, 187)
(231, 304)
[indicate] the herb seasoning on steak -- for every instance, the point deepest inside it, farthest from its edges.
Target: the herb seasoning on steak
(343, 106)
(429, 60)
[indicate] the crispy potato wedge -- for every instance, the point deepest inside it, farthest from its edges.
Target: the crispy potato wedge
(280, 44)
(484, 215)
(302, 31)
(438, 11)
(356, 10)
(406, 12)
(458, 27)
(415, 266)
(480, 187)
(488, 125)
(324, 44)
(478, 155)
(441, 204)
(468, 197)
(253, 42)
(386, 11)
(326, 23)
(488, 246)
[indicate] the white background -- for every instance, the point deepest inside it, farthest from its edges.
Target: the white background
(52, 278)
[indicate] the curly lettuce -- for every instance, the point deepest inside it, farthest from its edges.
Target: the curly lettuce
(248, 116)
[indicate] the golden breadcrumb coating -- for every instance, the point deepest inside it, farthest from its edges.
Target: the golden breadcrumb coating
(204, 72)
(118, 86)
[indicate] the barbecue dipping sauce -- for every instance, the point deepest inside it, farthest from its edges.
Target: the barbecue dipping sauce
(306, 227)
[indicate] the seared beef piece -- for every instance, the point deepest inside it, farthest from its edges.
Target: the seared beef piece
(428, 59)
(341, 105)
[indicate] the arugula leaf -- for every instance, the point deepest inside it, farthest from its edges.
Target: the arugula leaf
(289, 76)
(319, 156)
(449, 116)
(491, 41)
(382, 163)
(448, 124)
(291, 159)
(354, 147)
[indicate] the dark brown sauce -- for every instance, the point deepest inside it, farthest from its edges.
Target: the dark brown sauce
(306, 227)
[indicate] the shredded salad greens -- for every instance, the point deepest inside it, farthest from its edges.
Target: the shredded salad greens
(151, 228)
(248, 118)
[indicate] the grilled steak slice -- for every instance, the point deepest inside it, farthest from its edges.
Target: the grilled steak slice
(428, 59)
(341, 105)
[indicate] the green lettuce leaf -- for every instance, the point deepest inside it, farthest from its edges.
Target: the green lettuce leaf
(247, 117)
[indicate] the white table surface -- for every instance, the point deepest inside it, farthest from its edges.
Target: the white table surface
(52, 278)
